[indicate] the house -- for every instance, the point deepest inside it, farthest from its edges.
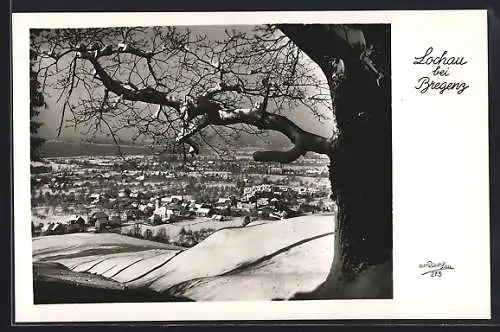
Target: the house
(248, 191)
(176, 199)
(75, 224)
(175, 209)
(135, 194)
(279, 214)
(95, 197)
(244, 206)
(113, 221)
(53, 228)
(128, 215)
(98, 216)
(57, 229)
(45, 230)
(275, 170)
(186, 206)
(162, 214)
(277, 203)
(69, 224)
(221, 207)
(224, 201)
(203, 212)
(180, 210)
(262, 201)
(167, 199)
(201, 205)
(218, 217)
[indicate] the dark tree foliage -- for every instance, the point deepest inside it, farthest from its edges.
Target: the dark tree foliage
(37, 102)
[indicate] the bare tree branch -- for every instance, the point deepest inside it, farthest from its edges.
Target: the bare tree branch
(66, 103)
(171, 83)
(128, 91)
(258, 116)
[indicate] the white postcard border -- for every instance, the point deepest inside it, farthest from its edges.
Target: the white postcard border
(438, 140)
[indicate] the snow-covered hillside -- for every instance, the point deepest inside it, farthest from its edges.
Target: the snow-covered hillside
(263, 261)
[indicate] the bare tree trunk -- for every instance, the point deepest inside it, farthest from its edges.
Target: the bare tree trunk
(360, 167)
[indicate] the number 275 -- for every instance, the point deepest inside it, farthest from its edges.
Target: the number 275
(436, 274)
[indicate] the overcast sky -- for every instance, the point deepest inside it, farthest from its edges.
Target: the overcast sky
(51, 116)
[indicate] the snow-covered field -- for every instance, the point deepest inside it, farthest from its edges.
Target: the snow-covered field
(301, 268)
(88, 244)
(263, 261)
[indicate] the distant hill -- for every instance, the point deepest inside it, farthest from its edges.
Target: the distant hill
(57, 148)
(51, 149)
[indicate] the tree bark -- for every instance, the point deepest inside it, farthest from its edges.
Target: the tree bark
(361, 164)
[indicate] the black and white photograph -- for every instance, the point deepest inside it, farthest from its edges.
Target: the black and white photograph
(250, 166)
(191, 163)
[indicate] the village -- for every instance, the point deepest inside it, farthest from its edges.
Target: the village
(163, 199)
